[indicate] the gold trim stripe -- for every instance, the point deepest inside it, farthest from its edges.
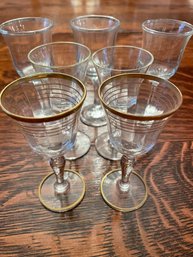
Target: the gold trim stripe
(40, 76)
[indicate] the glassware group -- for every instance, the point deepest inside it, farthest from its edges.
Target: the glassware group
(50, 98)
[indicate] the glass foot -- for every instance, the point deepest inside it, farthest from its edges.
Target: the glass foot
(93, 115)
(104, 148)
(81, 147)
(126, 201)
(66, 201)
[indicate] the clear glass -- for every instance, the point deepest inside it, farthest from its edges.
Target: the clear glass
(166, 39)
(23, 34)
(46, 107)
(137, 108)
(70, 58)
(110, 61)
(94, 31)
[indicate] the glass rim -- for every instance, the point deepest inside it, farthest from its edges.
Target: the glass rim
(90, 16)
(154, 31)
(40, 76)
(59, 66)
(6, 32)
(139, 117)
(123, 46)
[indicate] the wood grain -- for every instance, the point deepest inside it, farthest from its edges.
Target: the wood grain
(163, 227)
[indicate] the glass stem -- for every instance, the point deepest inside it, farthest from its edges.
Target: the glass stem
(94, 78)
(61, 185)
(126, 169)
(96, 98)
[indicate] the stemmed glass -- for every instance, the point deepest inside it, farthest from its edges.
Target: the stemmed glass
(114, 60)
(70, 58)
(167, 40)
(23, 34)
(94, 31)
(137, 108)
(46, 107)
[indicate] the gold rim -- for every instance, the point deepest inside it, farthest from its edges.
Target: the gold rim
(124, 209)
(71, 206)
(48, 118)
(138, 117)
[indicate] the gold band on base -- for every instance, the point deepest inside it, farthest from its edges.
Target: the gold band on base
(123, 209)
(71, 205)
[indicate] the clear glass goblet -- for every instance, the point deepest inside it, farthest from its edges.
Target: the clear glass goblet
(114, 60)
(137, 108)
(94, 31)
(23, 34)
(70, 58)
(167, 40)
(46, 107)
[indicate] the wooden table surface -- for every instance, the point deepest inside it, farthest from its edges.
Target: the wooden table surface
(164, 225)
